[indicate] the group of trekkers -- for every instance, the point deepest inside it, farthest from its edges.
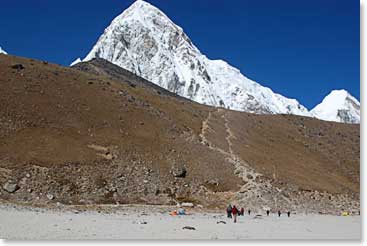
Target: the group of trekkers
(233, 212)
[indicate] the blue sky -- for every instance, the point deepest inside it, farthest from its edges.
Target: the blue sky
(300, 49)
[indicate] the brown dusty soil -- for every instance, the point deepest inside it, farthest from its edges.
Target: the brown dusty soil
(105, 136)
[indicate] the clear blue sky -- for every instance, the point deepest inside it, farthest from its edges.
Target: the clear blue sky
(301, 49)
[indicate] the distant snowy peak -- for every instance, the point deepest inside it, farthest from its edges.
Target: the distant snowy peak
(146, 42)
(339, 106)
(3, 51)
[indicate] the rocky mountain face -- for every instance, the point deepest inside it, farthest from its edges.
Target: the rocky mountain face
(146, 42)
(339, 106)
(3, 51)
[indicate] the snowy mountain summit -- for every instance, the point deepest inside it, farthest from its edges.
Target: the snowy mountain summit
(3, 51)
(338, 106)
(146, 42)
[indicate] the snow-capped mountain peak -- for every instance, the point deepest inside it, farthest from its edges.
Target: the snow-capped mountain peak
(146, 42)
(338, 106)
(3, 51)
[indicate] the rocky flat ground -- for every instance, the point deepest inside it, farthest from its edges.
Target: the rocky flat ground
(154, 222)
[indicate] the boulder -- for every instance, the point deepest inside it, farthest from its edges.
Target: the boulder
(179, 172)
(187, 204)
(10, 187)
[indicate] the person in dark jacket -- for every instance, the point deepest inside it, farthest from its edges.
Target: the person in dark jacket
(249, 212)
(279, 213)
(267, 212)
(289, 214)
(229, 211)
(242, 211)
(234, 213)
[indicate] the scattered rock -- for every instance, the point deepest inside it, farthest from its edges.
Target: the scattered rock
(50, 196)
(188, 228)
(214, 182)
(18, 66)
(10, 187)
(179, 172)
(221, 222)
(258, 216)
(28, 175)
(187, 204)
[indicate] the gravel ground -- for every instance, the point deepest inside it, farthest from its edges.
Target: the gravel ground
(139, 223)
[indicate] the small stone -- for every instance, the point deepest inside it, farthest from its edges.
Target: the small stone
(50, 196)
(28, 175)
(113, 189)
(10, 187)
(187, 204)
(213, 182)
(188, 228)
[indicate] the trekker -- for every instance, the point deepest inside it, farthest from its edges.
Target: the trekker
(279, 213)
(234, 213)
(289, 214)
(249, 212)
(229, 211)
(267, 212)
(181, 211)
(242, 211)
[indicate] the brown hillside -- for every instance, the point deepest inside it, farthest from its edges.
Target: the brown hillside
(103, 135)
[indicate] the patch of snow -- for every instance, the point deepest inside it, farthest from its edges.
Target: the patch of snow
(3, 51)
(78, 60)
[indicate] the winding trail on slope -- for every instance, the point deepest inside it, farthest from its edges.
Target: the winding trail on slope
(204, 130)
(241, 168)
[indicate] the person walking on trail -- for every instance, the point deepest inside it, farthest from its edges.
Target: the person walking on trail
(267, 212)
(279, 213)
(289, 214)
(242, 211)
(229, 211)
(234, 213)
(249, 212)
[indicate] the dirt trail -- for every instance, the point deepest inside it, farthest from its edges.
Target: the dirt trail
(249, 176)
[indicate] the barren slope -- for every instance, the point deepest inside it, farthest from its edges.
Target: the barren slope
(108, 136)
